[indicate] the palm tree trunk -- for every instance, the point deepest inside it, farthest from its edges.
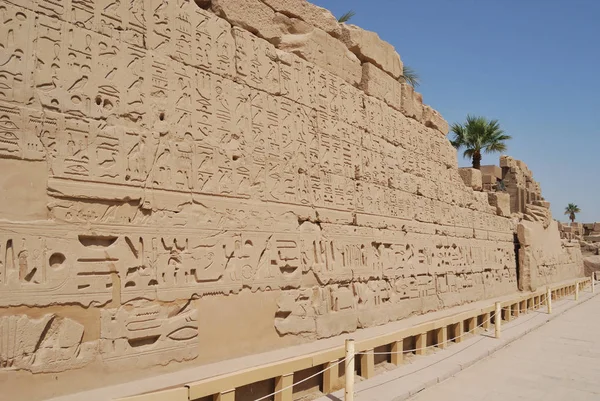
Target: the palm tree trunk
(477, 160)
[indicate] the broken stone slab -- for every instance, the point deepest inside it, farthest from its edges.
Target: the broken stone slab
(471, 177)
(592, 238)
(369, 47)
(591, 264)
(412, 103)
(541, 203)
(501, 200)
(314, 15)
(255, 17)
(525, 234)
(433, 119)
(320, 48)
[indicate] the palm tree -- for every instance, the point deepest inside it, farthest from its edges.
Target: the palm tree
(571, 210)
(410, 77)
(347, 17)
(478, 135)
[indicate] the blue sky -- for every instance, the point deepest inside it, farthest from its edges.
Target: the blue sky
(532, 64)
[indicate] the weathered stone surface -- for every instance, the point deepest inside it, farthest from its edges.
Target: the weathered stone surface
(488, 179)
(545, 258)
(591, 264)
(140, 334)
(519, 183)
(501, 201)
(412, 103)
(433, 119)
(322, 49)
(314, 15)
(589, 248)
(254, 16)
(174, 183)
(368, 47)
(471, 177)
(49, 344)
(542, 203)
(378, 84)
(538, 213)
(525, 234)
(493, 170)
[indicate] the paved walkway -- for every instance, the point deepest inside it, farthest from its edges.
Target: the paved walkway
(558, 361)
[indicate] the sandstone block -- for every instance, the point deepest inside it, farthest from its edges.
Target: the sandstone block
(525, 234)
(369, 47)
(256, 62)
(322, 49)
(412, 103)
(591, 264)
(482, 198)
(433, 119)
(501, 201)
(492, 170)
(488, 179)
(471, 177)
(596, 227)
(254, 16)
(314, 15)
(378, 84)
(541, 203)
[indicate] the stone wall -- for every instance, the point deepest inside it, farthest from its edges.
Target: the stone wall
(519, 183)
(544, 257)
(176, 178)
(590, 232)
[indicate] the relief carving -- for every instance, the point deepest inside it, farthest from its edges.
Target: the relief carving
(187, 159)
(140, 334)
(48, 344)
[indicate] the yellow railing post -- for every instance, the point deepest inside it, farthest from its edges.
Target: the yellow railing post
(283, 387)
(349, 364)
(498, 319)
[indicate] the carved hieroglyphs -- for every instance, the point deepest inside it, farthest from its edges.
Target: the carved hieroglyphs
(171, 154)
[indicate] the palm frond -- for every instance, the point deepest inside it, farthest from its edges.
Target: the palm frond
(347, 17)
(410, 76)
(572, 209)
(478, 135)
(468, 153)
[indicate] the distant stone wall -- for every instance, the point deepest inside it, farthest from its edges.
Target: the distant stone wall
(544, 258)
(519, 183)
(175, 179)
(590, 232)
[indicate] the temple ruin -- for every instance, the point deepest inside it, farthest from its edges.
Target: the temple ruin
(180, 175)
